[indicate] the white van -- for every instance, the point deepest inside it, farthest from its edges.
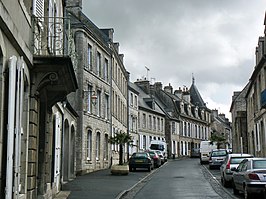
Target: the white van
(158, 145)
(205, 148)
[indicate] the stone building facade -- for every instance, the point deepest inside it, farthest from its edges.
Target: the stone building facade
(194, 119)
(36, 75)
(256, 114)
(133, 117)
(221, 127)
(92, 99)
(151, 118)
(238, 110)
(119, 100)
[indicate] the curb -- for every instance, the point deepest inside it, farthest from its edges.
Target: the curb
(218, 182)
(124, 193)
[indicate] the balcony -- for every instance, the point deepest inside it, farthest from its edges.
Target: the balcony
(52, 36)
(54, 60)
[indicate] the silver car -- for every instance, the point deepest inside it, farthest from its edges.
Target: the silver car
(231, 161)
(217, 156)
(250, 177)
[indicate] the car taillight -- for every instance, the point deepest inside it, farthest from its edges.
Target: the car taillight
(228, 165)
(253, 176)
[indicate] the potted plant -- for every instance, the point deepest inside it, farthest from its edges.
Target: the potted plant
(121, 139)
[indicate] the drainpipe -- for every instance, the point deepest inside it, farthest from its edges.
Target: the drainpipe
(10, 126)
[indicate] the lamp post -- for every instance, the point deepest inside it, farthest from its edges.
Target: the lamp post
(92, 96)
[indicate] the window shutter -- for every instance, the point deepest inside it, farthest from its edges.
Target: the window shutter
(38, 8)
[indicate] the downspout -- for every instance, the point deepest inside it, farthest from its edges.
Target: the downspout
(128, 115)
(111, 101)
(11, 126)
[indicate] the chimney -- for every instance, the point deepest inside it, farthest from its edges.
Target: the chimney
(186, 94)
(144, 85)
(116, 45)
(158, 86)
(109, 32)
(215, 113)
(168, 89)
(178, 93)
(222, 115)
(121, 56)
(74, 6)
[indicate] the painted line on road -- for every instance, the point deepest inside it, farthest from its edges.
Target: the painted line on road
(123, 193)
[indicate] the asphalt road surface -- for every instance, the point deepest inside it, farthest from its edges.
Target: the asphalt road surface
(182, 179)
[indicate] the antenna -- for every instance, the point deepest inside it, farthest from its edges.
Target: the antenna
(147, 72)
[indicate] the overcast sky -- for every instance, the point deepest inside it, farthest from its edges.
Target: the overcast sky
(214, 40)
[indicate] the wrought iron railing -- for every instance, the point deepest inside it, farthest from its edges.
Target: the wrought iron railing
(52, 36)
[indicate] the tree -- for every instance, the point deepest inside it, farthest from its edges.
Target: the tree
(121, 139)
(219, 139)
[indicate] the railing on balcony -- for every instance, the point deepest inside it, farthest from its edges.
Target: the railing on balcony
(52, 36)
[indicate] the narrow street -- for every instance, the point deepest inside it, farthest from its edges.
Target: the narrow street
(184, 178)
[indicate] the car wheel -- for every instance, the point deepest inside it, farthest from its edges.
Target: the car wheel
(224, 182)
(210, 167)
(235, 191)
(247, 195)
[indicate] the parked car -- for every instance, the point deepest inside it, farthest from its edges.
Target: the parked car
(195, 153)
(156, 158)
(162, 157)
(205, 149)
(231, 161)
(217, 156)
(250, 177)
(140, 160)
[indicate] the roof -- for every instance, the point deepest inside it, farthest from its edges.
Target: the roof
(195, 96)
(144, 98)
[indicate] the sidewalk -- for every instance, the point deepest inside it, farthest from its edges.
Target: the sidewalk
(100, 185)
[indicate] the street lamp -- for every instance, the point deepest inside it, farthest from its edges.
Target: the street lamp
(93, 96)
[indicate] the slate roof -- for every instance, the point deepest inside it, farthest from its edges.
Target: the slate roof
(195, 96)
(143, 100)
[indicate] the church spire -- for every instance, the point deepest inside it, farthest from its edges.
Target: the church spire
(193, 79)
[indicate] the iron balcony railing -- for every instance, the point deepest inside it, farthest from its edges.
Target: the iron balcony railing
(52, 36)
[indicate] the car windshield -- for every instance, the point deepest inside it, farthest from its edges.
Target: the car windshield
(236, 160)
(140, 155)
(157, 147)
(259, 164)
(218, 153)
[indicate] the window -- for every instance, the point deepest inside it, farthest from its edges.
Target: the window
(154, 123)
(106, 147)
(106, 111)
(105, 70)
(144, 142)
(136, 101)
(89, 98)
(144, 120)
(89, 56)
(162, 129)
(131, 99)
(98, 64)
(89, 144)
(173, 128)
(98, 139)
(158, 124)
(98, 102)
(38, 8)
(150, 122)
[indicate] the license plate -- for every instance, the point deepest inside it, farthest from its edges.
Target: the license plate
(138, 160)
